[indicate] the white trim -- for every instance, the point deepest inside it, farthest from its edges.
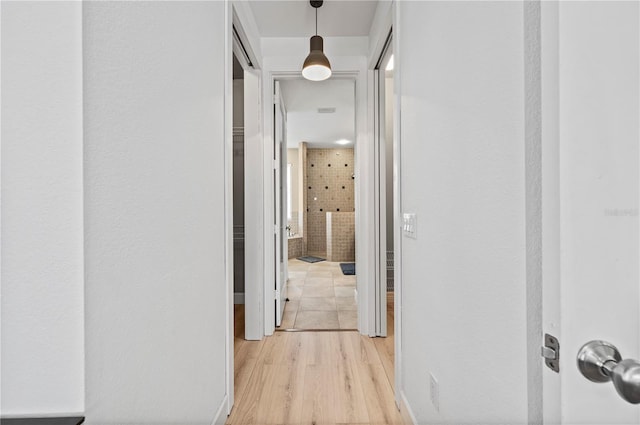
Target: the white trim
(268, 266)
(247, 28)
(551, 235)
(386, 19)
(382, 23)
(397, 204)
(238, 298)
(253, 200)
(364, 204)
(253, 191)
(343, 67)
(228, 208)
(221, 416)
(44, 415)
(404, 405)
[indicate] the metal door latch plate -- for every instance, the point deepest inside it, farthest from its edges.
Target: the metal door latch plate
(551, 352)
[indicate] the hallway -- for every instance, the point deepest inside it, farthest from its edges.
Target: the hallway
(313, 378)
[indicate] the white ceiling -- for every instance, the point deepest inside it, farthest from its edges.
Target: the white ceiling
(302, 99)
(296, 18)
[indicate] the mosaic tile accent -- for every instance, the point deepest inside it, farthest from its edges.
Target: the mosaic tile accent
(295, 247)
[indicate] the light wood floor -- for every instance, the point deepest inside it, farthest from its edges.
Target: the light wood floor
(319, 378)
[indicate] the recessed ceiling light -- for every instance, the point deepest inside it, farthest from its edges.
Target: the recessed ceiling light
(343, 142)
(326, 110)
(390, 64)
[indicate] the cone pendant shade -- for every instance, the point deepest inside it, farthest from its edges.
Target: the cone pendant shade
(316, 66)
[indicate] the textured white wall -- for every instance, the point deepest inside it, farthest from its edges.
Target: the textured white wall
(42, 260)
(154, 211)
(463, 174)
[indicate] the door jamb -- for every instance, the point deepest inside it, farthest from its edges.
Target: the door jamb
(228, 203)
(389, 23)
(362, 228)
(235, 15)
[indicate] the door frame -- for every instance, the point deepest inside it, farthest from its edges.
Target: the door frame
(239, 16)
(364, 253)
(385, 25)
(550, 169)
(279, 172)
(380, 193)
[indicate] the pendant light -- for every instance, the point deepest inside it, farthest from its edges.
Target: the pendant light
(316, 66)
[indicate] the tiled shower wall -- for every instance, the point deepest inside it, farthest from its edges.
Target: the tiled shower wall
(341, 236)
(330, 188)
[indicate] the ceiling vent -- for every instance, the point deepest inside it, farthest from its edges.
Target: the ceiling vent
(326, 110)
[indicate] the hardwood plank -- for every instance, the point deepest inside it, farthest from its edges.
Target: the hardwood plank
(273, 348)
(321, 378)
(246, 406)
(245, 362)
(348, 395)
(386, 359)
(318, 401)
(378, 394)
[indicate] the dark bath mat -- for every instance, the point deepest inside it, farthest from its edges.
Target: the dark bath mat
(311, 259)
(348, 268)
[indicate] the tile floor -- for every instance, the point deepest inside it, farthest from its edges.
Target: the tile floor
(320, 297)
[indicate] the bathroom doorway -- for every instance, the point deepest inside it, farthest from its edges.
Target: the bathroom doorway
(318, 172)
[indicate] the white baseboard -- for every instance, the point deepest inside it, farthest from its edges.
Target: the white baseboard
(238, 298)
(407, 409)
(221, 415)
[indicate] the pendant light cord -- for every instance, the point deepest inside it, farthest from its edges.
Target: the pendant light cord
(316, 21)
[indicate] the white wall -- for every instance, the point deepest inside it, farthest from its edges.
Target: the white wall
(154, 190)
(463, 173)
(42, 230)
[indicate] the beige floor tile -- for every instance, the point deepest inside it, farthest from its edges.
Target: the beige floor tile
(338, 281)
(344, 291)
(318, 291)
(294, 292)
(318, 281)
(289, 315)
(318, 304)
(344, 281)
(323, 274)
(293, 274)
(317, 320)
(296, 282)
(348, 319)
(346, 303)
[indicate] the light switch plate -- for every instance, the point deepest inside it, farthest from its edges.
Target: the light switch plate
(409, 225)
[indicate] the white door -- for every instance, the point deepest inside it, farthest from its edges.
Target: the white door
(590, 177)
(280, 204)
